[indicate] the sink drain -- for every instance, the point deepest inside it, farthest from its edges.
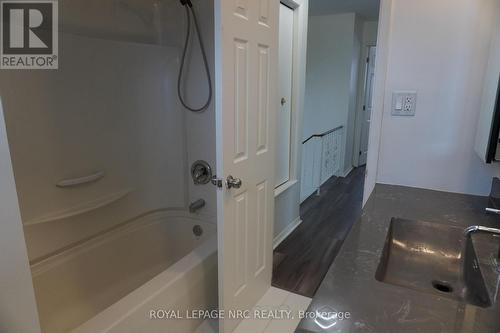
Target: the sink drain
(442, 286)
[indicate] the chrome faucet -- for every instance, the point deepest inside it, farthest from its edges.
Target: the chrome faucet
(492, 210)
(477, 228)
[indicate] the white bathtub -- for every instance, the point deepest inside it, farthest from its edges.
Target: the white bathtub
(112, 282)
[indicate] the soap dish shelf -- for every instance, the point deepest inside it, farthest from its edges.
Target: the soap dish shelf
(66, 183)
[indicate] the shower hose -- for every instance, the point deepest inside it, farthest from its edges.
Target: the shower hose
(183, 60)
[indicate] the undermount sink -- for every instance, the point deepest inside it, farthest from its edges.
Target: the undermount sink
(432, 258)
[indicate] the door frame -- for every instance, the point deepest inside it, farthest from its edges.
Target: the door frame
(361, 102)
(283, 93)
(299, 53)
(381, 64)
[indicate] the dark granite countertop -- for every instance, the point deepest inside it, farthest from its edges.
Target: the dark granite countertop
(350, 284)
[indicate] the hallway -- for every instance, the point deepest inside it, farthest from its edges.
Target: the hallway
(303, 258)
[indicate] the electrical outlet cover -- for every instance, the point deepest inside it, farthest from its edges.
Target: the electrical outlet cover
(404, 103)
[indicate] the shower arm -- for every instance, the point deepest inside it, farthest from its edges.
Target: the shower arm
(186, 2)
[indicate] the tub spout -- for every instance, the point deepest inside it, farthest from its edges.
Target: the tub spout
(197, 205)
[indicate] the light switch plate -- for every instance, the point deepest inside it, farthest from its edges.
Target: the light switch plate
(404, 103)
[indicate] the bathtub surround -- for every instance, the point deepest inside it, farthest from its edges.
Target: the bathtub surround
(112, 110)
(120, 117)
(110, 119)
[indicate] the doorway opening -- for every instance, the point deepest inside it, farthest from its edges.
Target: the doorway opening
(340, 69)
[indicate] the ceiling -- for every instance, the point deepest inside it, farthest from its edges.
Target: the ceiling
(367, 8)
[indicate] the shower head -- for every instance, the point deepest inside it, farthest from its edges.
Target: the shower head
(186, 2)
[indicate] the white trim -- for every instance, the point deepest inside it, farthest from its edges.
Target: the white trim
(383, 38)
(300, 10)
(315, 192)
(286, 232)
(284, 187)
(347, 172)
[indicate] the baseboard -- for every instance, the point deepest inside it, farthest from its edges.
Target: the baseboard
(347, 172)
(285, 232)
(307, 196)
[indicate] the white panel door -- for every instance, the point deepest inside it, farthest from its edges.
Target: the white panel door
(283, 126)
(247, 102)
(367, 110)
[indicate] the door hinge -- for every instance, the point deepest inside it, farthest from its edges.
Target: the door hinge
(368, 59)
(360, 153)
(364, 107)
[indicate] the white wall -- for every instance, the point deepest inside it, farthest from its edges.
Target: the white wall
(333, 63)
(328, 72)
(286, 209)
(370, 30)
(440, 49)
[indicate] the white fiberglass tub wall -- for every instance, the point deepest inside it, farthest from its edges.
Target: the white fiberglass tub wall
(112, 282)
(112, 107)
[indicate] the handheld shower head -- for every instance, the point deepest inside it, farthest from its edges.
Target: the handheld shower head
(186, 2)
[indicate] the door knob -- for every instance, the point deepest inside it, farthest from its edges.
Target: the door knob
(233, 182)
(283, 101)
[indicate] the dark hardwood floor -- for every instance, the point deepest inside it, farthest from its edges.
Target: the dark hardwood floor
(303, 258)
